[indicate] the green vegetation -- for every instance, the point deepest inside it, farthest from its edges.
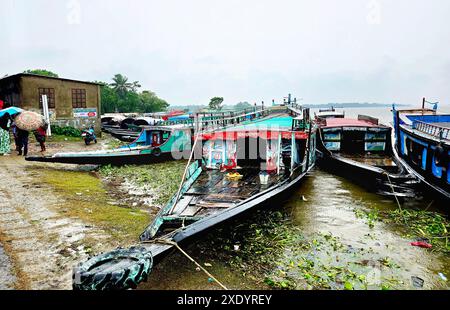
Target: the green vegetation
(243, 105)
(417, 224)
(65, 131)
(216, 103)
(62, 138)
(86, 198)
(371, 216)
(162, 178)
(422, 224)
(274, 252)
(121, 85)
(123, 96)
(41, 72)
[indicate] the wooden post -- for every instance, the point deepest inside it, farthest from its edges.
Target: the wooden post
(46, 113)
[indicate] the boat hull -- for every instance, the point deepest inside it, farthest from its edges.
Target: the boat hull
(431, 184)
(198, 229)
(116, 160)
(374, 178)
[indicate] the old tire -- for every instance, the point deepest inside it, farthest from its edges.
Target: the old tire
(157, 152)
(120, 269)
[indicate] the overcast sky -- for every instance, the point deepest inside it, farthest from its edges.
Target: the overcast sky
(188, 51)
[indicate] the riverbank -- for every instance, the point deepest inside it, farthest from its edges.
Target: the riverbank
(330, 234)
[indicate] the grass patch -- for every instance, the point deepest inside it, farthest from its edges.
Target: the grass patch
(163, 178)
(62, 138)
(86, 198)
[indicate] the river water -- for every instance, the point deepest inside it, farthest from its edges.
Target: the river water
(323, 204)
(328, 204)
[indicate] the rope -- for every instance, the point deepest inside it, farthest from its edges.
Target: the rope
(173, 243)
(396, 198)
(186, 169)
(393, 190)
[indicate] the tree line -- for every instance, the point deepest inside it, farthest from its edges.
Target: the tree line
(122, 96)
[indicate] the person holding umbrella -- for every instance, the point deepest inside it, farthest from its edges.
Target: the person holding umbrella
(27, 121)
(5, 146)
(22, 137)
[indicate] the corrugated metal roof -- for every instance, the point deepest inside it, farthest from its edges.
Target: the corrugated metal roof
(45, 77)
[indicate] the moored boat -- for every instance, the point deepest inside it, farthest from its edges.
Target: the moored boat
(236, 171)
(329, 113)
(423, 144)
(154, 144)
(361, 149)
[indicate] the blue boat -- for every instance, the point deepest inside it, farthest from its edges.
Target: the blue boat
(422, 143)
(154, 144)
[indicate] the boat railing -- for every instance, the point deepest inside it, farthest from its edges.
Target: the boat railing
(431, 129)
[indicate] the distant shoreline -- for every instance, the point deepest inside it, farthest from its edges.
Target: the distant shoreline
(352, 105)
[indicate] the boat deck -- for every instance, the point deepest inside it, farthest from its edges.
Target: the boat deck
(379, 160)
(213, 191)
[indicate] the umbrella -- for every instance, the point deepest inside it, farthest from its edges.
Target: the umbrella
(11, 111)
(29, 121)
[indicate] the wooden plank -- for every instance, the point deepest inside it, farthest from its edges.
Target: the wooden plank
(190, 211)
(205, 204)
(182, 204)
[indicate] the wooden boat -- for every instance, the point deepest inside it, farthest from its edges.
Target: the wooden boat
(129, 132)
(126, 135)
(422, 144)
(329, 113)
(361, 149)
(154, 144)
(236, 171)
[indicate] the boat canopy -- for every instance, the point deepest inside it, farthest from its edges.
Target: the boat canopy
(146, 121)
(349, 122)
(180, 118)
(263, 134)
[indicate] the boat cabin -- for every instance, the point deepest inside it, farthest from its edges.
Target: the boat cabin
(355, 136)
(167, 139)
(268, 151)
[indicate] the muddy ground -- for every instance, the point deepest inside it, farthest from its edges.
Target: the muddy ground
(41, 238)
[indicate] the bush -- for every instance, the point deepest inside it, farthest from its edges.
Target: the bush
(65, 131)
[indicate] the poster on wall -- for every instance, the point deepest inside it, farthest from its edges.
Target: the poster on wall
(85, 113)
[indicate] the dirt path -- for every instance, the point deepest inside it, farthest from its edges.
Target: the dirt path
(41, 245)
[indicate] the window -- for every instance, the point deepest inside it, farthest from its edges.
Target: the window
(78, 98)
(50, 92)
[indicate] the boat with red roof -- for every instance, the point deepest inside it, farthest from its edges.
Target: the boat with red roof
(231, 171)
(361, 149)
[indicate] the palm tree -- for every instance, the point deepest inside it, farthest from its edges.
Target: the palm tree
(121, 85)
